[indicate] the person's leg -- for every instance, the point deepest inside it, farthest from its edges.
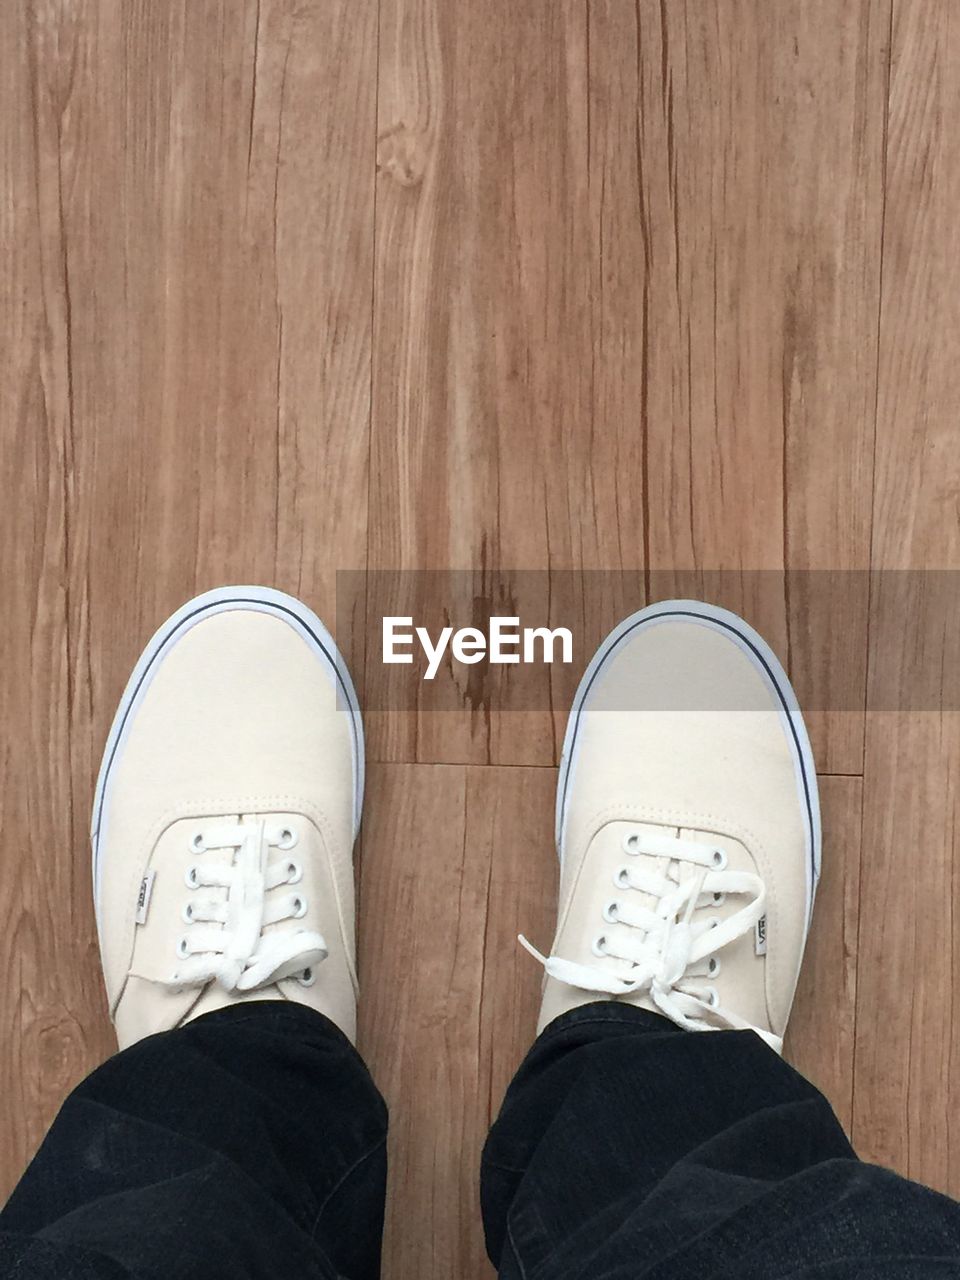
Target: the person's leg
(249, 1142)
(653, 1131)
(629, 1148)
(237, 1133)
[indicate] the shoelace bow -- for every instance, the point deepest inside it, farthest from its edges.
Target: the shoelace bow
(667, 949)
(225, 940)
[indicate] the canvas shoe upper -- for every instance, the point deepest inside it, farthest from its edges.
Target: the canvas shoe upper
(225, 816)
(688, 827)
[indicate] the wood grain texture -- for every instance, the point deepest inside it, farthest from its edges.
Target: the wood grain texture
(421, 1017)
(512, 822)
(908, 1008)
(736, 172)
(50, 1000)
(222, 308)
(908, 1020)
(460, 859)
(188, 302)
(622, 290)
(666, 334)
(483, 359)
(821, 1036)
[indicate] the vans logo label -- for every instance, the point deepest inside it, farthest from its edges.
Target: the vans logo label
(143, 899)
(760, 937)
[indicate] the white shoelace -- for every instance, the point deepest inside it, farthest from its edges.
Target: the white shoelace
(224, 940)
(670, 953)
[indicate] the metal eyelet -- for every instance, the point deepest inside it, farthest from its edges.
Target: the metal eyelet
(299, 907)
(198, 844)
(719, 860)
(307, 978)
(192, 878)
(621, 878)
(713, 997)
(631, 843)
(294, 872)
(611, 912)
(187, 912)
(599, 946)
(719, 899)
(713, 967)
(287, 838)
(183, 948)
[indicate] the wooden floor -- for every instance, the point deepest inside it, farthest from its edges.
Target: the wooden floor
(291, 288)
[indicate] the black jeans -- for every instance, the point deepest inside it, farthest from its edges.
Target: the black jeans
(252, 1143)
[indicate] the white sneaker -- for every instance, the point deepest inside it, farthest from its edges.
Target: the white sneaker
(224, 818)
(688, 827)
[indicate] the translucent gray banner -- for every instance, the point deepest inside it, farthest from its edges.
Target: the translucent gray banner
(883, 640)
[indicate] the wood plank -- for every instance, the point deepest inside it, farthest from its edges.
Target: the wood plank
(483, 451)
(511, 815)
(821, 1036)
(907, 1086)
(456, 862)
(222, 310)
(191, 312)
(49, 1003)
(736, 167)
(423, 904)
(908, 1005)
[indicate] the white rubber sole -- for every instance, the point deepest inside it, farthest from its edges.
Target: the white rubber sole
(222, 600)
(763, 659)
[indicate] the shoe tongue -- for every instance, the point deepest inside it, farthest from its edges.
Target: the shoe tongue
(657, 864)
(162, 897)
(163, 894)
